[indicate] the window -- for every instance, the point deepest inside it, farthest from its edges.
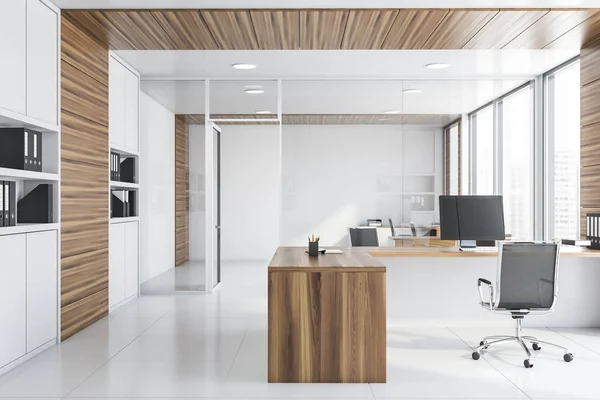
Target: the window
(452, 154)
(563, 140)
(516, 133)
(482, 124)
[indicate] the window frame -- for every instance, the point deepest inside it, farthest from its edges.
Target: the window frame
(447, 159)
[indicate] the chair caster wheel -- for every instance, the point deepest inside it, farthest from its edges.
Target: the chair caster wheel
(536, 347)
(528, 364)
(482, 343)
(476, 355)
(568, 357)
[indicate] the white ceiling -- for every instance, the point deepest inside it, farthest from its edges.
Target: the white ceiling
(330, 97)
(82, 4)
(344, 64)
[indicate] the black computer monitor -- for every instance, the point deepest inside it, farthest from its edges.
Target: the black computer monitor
(472, 218)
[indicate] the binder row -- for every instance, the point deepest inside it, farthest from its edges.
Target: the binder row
(21, 148)
(122, 203)
(8, 200)
(115, 166)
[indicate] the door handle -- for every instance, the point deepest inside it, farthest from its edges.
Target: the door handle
(217, 227)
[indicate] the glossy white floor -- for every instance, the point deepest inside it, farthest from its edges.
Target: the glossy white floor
(189, 277)
(200, 346)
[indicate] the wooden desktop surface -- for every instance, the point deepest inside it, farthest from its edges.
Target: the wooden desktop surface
(449, 252)
(351, 260)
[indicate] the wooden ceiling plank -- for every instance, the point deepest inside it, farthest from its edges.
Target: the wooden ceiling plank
(141, 28)
(412, 28)
(98, 26)
(367, 29)
(277, 29)
(548, 28)
(457, 28)
(503, 28)
(232, 29)
(322, 29)
(577, 37)
(186, 28)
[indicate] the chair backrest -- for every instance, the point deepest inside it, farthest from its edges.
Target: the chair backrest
(363, 237)
(413, 229)
(392, 227)
(527, 276)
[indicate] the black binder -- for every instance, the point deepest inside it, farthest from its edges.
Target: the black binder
(117, 206)
(1, 203)
(12, 205)
(128, 170)
(18, 146)
(6, 214)
(131, 203)
(37, 205)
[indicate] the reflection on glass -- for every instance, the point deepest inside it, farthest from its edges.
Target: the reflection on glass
(566, 152)
(484, 151)
(453, 159)
(517, 164)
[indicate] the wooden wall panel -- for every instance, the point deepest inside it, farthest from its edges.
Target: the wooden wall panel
(367, 29)
(231, 29)
(458, 27)
(95, 25)
(277, 29)
(322, 29)
(84, 177)
(141, 28)
(503, 28)
(187, 29)
(590, 133)
(182, 234)
(412, 28)
(547, 29)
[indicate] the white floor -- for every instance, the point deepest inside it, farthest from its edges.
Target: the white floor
(185, 278)
(201, 346)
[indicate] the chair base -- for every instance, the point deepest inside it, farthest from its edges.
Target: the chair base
(522, 341)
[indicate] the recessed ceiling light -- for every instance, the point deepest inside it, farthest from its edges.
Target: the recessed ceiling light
(254, 91)
(264, 112)
(409, 91)
(392, 112)
(384, 119)
(243, 66)
(437, 65)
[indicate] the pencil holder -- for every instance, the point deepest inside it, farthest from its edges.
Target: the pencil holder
(313, 249)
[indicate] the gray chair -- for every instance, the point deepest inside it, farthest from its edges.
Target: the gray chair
(526, 285)
(363, 237)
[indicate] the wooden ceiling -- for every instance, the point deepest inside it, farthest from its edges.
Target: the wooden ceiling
(339, 29)
(333, 119)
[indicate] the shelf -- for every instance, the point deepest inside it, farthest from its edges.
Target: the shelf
(27, 228)
(124, 185)
(123, 151)
(122, 220)
(11, 119)
(7, 174)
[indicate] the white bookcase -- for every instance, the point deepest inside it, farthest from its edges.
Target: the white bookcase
(29, 98)
(123, 128)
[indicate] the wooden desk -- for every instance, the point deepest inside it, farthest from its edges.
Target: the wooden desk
(327, 317)
(421, 241)
(452, 252)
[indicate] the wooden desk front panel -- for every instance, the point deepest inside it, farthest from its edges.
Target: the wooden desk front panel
(327, 327)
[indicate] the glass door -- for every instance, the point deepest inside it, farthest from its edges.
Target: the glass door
(217, 202)
(213, 205)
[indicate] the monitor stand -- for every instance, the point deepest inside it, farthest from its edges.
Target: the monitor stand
(467, 244)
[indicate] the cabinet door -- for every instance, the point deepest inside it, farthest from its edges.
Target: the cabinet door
(132, 93)
(13, 46)
(42, 298)
(116, 103)
(42, 62)
(131, 259)
(116, 270)
(13, 335)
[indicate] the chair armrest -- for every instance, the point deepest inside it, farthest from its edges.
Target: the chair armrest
(481, 282)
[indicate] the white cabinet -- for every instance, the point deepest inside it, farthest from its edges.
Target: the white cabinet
(131, 259)
(13, 30)
(42, 286)
(42, 62)
(12, 298)
(132, 93)
(123, 106)
(124, 262)
(116, 270)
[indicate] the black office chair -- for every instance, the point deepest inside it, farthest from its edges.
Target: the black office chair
(526, 285)
(393, 230)
(363, 237)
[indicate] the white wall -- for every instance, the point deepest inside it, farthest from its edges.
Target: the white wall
(157, 188)
(337, 176)
(250, 174)
(197, 215)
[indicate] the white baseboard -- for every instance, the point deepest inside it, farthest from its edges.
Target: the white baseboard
(27, 357)
(121, 304)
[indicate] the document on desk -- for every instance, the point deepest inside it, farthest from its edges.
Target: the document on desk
(333, 251)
